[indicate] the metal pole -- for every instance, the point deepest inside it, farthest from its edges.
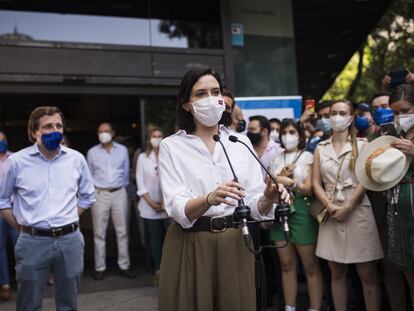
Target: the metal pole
(142, 122)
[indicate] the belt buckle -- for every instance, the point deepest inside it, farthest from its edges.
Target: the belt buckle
(212, 229)
(57, 233)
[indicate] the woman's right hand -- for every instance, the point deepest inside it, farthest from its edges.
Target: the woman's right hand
(157, 206)
(285, 181)
(287, 170)
(229, 189)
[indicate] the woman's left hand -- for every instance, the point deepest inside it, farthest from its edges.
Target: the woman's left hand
(404, 145)
(273, 191)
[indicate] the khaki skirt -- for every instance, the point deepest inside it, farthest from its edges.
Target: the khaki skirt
(206, 271)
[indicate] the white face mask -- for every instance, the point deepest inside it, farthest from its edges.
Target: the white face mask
(155, 142)
(105, 137)
(274, 135)
(340, 123)
(406, 121)
(208, 110)
(290, 141)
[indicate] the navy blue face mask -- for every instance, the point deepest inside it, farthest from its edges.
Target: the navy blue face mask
(3, 146)
(52, 140)
(361, 123)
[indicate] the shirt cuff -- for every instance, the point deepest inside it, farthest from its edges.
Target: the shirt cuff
(178, 212)
(85, 203)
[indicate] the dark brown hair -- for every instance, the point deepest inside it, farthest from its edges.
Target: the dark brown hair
(299, 128)
(185, 119)
(35, 116)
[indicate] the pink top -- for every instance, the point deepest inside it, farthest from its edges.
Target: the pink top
(272, 150)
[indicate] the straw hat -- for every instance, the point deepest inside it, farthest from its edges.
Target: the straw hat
(379, 166)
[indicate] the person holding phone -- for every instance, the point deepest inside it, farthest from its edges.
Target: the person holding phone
(395, 78)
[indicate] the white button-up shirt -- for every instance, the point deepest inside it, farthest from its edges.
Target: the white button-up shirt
(46, 192)
(110, 169)
(148, 182)
(188, 170)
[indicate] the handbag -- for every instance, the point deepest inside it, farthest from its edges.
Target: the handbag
(317, 209)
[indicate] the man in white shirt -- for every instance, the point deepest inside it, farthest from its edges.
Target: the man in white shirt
(258, 132)
(109, 165)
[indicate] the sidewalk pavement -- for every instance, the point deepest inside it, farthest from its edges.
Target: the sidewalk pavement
(141, 298)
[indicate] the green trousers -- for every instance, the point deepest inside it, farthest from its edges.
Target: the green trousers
(156, 228)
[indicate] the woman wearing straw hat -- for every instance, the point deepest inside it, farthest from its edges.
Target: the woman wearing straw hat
(349, 234)
(390, 166)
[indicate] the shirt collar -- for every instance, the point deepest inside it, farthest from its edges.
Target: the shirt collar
(114, 145)
(222, 129)
(34, 150)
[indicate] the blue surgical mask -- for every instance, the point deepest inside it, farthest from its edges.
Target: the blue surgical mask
(361, 123)
(383, 115)
(313, 143)
(52, 140)
(3, 146)
(324, 124)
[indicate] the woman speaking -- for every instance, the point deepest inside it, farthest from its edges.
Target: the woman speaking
(205, 264)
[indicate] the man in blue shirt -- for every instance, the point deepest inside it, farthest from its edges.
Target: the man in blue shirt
(51, 186)
(109, 165)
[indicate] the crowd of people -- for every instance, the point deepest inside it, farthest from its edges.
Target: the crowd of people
(345, 170)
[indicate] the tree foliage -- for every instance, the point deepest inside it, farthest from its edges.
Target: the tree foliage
(389, 47)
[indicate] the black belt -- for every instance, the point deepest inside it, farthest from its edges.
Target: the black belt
(54, 232)
(109, 190)
(212, 224)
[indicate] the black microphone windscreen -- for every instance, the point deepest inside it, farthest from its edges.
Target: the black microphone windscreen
(216, 137)
(233, 138)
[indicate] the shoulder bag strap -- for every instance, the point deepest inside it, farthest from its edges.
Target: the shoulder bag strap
(337, 176)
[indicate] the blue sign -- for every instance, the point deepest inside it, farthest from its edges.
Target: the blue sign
(271, 107)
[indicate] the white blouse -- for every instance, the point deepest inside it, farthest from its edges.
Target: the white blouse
(301, 171)
(188, 170)
(148, 182)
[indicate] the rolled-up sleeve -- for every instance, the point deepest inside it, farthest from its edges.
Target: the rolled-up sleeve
(7, 182)
(140, 175)
(176, 194)
(86, 192)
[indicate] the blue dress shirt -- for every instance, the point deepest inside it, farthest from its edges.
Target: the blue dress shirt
(46, 192)
(110, 169)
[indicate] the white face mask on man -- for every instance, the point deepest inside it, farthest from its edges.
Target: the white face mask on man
(105, 137)
(406, 121)
(208, 110)
(290, 141)
(340, 123)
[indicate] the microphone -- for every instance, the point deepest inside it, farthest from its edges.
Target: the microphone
(235, 139)
(242, 212)
(282, 210)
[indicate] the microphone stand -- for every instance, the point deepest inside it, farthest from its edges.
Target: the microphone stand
(242, 215)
